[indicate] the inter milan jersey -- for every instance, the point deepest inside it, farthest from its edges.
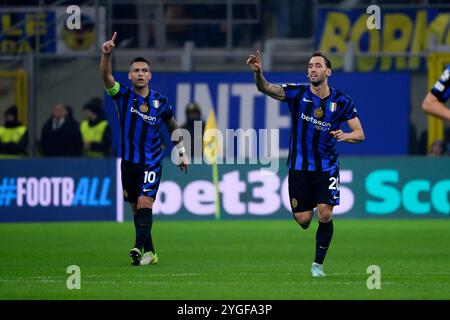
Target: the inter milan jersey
(312, 147)
(140, 121)
(441, 88)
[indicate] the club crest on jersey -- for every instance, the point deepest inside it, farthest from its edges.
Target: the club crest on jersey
(318, 112)
(143, 108)
(155, 103)
(332, 106)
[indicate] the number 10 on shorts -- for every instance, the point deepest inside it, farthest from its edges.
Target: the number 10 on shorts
(149, 176)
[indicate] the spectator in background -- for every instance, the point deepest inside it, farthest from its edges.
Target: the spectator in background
(422, 144)
(70, 116)
(60, 135)
(437, 148)
(193, 114)
(447, 140)
(413, 144)
(13, 135)
(212, 34)
(246, 34)
(175, 32)
(95, 130)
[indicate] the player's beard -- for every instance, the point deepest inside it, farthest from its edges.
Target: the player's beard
(319, 80)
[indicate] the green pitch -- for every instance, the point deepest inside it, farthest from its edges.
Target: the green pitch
(227, 260)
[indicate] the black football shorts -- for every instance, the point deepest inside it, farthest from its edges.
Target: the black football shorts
(140, 180)
(309, 188)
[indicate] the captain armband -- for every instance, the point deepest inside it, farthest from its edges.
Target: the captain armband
(114, 90)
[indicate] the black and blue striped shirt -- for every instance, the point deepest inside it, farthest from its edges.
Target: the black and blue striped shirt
(140, 121)
(441, 88)
(311, 146)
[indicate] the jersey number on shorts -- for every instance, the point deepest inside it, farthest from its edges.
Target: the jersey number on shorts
(334, 185)
(149, 177)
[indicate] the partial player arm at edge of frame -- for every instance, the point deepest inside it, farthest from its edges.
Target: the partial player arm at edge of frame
(274, 91)
(433, 106)
(177, 139)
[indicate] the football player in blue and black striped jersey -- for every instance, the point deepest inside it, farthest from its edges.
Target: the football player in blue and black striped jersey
(141, 112)
(317, 110)
(434, 102)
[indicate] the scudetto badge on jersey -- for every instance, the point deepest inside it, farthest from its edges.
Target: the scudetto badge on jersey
(332, 106)
(155, 103)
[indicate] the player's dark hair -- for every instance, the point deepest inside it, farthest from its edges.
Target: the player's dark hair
(320, 54)
(140, 59)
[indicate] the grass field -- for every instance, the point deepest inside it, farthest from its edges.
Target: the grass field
(226, 260)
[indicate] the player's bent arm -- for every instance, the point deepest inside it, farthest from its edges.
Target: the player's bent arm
(268, 88)
(433, 106)
(177, 138)
(357, 133)
(175, 134)
(106, 71)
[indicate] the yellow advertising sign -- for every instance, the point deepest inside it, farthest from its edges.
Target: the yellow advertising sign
(401, 32)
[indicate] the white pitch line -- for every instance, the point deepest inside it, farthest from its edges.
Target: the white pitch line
(394, 273)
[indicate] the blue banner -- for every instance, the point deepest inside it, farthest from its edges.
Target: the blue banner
(57, 190)
(399, 30)
(383, 110)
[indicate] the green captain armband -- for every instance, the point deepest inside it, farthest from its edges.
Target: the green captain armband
(114, 90)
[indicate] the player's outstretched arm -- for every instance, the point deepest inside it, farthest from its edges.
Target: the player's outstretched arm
(177, 139)
(105, 62)
(275, 91)
(355, 136)
(433, 106)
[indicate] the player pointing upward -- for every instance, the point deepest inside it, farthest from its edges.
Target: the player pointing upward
(141, 112)
(316, 112)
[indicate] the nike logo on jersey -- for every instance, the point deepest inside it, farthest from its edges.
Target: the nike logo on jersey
(334, 197)
(306, 100)
(146, 190)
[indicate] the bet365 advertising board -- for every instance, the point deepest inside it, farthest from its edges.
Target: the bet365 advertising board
(371, 187)
(90, 190)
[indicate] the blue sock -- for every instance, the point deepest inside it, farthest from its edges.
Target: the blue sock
(323, 239)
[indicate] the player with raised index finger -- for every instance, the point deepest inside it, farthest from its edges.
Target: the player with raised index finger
(141, 112)
(316, 112)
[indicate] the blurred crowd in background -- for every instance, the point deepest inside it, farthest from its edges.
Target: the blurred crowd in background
(202, 22)
(64, 136)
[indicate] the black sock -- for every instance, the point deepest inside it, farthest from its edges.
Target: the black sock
(323, 239)
(148, 244)
(143, 224)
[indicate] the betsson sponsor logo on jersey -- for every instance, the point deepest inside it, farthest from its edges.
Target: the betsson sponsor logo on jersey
(319, 125)
(145, 117)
